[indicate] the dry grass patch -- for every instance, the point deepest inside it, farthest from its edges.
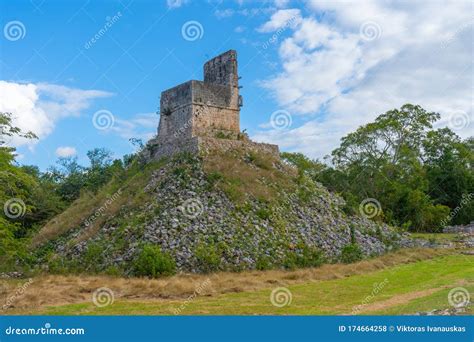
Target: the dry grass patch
(50, 290)
(246, 172)
(126, 189)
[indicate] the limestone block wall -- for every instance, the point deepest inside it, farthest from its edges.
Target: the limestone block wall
(176, 96)
(222, 69)
(214, 94)
(176, 112)
(208, 120)
(205, 145)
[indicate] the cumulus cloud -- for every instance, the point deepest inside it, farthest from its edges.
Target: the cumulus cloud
(175, 3)
(280, 19)
(344, 64)
(141, 126)
(37, 107)
(66, 151)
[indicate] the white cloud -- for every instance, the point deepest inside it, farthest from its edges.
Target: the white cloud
(66, 151)
(225, 13)
(239, 29)
(279, 19)
(37, 107)
(175, 3)
(141, 126)
(281, 3)
(336, 78)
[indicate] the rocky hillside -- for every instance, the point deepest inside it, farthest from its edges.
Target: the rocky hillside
(224, 211)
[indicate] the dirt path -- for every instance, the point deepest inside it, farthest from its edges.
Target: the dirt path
(397, 300)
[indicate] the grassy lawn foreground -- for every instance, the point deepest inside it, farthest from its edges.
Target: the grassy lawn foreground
(403, 289)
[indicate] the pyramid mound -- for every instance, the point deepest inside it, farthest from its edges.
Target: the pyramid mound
(227, 210)
(203, 197)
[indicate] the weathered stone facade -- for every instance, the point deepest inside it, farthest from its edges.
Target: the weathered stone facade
(196, 113)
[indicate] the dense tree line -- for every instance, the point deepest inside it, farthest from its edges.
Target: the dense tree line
(417, 174)
(30, 197)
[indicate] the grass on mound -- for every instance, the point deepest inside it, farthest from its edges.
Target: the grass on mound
(124, 189)
(240, 173)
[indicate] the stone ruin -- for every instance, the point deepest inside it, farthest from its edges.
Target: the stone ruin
(200, 116)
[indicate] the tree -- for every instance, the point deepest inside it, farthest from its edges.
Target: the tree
(449, 163)
(416, 173)
(15, 190)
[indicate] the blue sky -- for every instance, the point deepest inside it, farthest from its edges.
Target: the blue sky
(321, 68)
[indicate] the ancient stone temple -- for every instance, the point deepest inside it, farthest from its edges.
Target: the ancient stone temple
(204, 115)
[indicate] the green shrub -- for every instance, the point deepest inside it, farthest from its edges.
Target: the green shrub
(222, 135)
(152, 262)
(351, 253)
(213, 178)
(209, 257)
(306, 257)
(93, 257)
(263, 213)
(310, 257)
(263, 263)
